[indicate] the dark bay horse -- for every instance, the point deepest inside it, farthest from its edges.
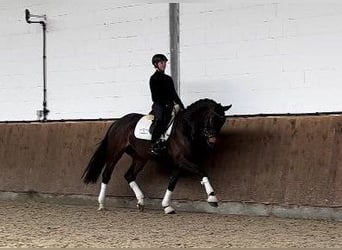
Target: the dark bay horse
(193, 136)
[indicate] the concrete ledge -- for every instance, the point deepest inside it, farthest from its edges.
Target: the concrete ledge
(226, 207)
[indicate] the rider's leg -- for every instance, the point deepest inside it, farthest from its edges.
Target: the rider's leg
(158, 128)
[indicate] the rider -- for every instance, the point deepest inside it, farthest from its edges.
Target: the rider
(164, 96)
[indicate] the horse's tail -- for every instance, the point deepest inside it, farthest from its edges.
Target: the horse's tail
(96, 163)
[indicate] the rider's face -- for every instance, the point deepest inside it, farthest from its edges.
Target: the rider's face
(161, 65)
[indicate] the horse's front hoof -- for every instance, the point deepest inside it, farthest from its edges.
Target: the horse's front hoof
(140, 207)
(213, 204)
(212, 200)
(169, 210)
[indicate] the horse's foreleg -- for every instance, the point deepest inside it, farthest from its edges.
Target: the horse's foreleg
(191, 167)
(130, 177)
(212, 200)
(166, 203)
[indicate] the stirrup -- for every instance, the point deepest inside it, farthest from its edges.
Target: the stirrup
(154, 152)
(157, 148)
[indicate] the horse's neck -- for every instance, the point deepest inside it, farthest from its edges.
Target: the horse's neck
(185, 125)
(194, 117)
(180, 123)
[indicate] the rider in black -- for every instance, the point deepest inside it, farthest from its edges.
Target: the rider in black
(164, 96)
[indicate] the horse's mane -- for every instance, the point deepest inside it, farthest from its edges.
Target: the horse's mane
(198, 107)
(193, 115)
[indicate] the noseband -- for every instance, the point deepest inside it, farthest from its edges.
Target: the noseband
(209, 131)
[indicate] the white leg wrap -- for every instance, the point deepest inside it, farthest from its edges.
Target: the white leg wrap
(168, 210)
(138, 193)
(102, 195)
(208, 188)
(167, 198)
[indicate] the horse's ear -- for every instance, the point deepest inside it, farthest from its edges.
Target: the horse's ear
(225, 108)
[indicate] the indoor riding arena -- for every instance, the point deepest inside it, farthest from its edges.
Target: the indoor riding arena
(71, 70)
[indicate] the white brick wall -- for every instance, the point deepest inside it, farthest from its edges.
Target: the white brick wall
(261, 56)
(98, 57)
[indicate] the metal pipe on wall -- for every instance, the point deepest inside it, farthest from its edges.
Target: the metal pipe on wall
(41, 20)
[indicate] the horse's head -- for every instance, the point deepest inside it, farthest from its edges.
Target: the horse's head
(206, 118)
(213, 119)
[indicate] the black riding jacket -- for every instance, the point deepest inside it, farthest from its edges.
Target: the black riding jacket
(163, 90)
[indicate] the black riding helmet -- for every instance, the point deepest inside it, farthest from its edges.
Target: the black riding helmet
(158, 58)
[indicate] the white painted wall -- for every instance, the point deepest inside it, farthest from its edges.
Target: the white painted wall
(263, 57)
(98, 57)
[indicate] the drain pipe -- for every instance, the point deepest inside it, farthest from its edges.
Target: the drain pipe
(41, 19)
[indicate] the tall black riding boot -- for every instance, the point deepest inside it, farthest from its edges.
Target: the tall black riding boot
(156, 142)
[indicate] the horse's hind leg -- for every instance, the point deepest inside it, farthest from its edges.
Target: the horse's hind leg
(106, 176)
(130, 176)
(166, 203)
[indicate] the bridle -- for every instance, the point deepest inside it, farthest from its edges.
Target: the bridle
(209, 132)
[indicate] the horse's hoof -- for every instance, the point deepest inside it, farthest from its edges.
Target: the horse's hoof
(140, 207)
(213, 204)
(169, 210)
(212, 200)
(101, 208)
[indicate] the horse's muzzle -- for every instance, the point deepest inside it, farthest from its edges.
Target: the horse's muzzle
(211, 141)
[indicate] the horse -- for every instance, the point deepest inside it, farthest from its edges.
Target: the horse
(193, 136)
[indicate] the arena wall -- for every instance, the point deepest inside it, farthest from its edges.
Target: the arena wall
(282, 161)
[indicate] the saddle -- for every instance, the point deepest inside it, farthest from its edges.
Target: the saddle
(142, 129)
